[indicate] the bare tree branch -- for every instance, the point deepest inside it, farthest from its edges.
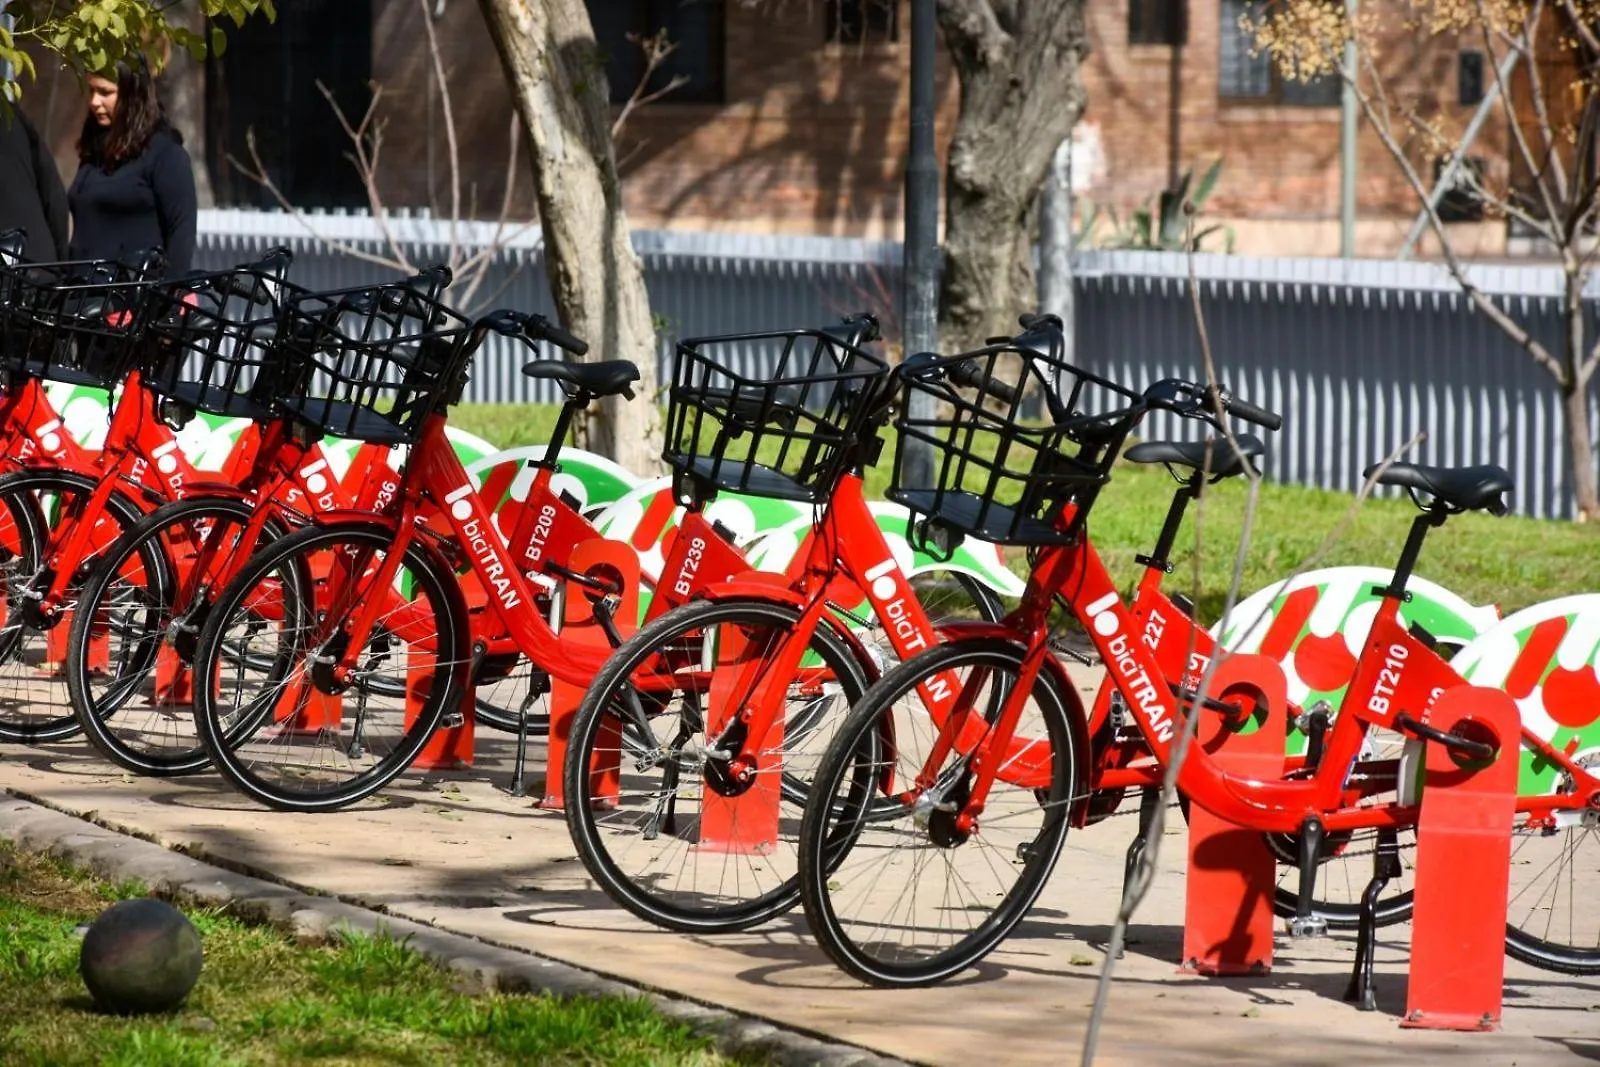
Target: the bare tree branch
(476, 265)
(366, 142)
(260, 176)
(656, 49)
(452, 149)
(1453, 263)
(1518, 136)
(1541, 108)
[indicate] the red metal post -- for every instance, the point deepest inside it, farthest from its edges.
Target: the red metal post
(1228, 921)
(1463, 866)
(580, 627)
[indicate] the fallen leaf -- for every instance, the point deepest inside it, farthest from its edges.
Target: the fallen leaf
(1080, 961)
(1251, 1013)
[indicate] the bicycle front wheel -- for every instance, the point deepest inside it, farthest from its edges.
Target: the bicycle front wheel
(658, 813)
(909, 897)
(1552, 920)
(275, 722)
(131, 654)
(40, 509)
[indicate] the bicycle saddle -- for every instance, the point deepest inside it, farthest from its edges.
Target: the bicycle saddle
(606, 378)
(1225, 463)
(1464, 488)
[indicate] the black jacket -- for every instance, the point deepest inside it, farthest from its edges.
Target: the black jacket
(148, 202)
(31, 194)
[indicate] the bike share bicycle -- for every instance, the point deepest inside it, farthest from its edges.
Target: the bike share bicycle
(211, 347)
(696, 744)
(962, 784)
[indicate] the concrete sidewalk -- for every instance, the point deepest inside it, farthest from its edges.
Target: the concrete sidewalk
(460, 854)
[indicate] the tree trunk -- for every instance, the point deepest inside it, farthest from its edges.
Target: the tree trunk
(1574, 384)
(1580, 453)
(1055, 238)
(1018, 62)
(557, 78)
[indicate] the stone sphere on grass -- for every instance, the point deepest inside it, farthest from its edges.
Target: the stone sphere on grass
(140, 956)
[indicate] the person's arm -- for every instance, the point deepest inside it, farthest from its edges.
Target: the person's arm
(52, 194)
(172, 178)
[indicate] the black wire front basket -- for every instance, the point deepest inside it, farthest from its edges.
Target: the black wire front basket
(1015, 433)
(785, 425)
(76, 322)
(213, 342)
(370, 363)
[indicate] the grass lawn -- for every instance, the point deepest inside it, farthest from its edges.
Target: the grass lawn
(1512, 562)
(262, 999)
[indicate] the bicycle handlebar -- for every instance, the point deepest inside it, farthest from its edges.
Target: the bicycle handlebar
(1241, 408)
(1031, 322)
(966, 372)
(1464, 745)
(530, 327)
(12, 244)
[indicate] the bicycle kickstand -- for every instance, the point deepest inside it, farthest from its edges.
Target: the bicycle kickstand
(538, 685)
(1385, 865)
(1149, 803)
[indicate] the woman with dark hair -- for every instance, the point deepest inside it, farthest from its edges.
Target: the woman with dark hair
(135, 185)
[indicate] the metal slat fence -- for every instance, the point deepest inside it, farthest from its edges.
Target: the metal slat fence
(1358, 355)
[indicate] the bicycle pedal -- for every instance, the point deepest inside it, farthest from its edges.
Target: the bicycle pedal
(451, 721)
(1312, 926)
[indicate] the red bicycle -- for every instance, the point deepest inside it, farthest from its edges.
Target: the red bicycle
(697, 743)
(989, 759)
(211, 346)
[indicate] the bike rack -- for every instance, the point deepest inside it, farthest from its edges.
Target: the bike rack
(581, 625)
(1458, 931)
(745, 824)
(450, 747)
(1228, 919)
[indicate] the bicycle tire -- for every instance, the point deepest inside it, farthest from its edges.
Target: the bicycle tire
(20, 492)
(644, 896)
(225, 744)
(137, 750)
(1527, 939)
(830, 831)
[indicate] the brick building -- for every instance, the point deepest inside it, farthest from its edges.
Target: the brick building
(792, 115)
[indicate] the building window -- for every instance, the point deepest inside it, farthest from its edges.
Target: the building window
(862, 21)
(1251, 78)
(694, 26)
(1469, 79)
(265, 86)
(1158, 22)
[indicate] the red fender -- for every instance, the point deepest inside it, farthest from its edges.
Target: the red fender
(209, 487)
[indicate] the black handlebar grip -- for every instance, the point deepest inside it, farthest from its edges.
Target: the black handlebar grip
(13, 242)
(504, 321)
(249, 287)
(149, 261)
(431, 280)
(548, 330)
(867, 322)
(1250, 413)
(276, 262)
(966, 372)
(1030, 321)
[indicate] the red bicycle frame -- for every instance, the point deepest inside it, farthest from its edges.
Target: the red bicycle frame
(1396, 671)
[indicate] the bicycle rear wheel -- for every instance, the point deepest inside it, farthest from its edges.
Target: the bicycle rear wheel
(878, 885)
(663, 823)
(276, 724)
(39, 509)
(1553, 922)
(137, 707)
